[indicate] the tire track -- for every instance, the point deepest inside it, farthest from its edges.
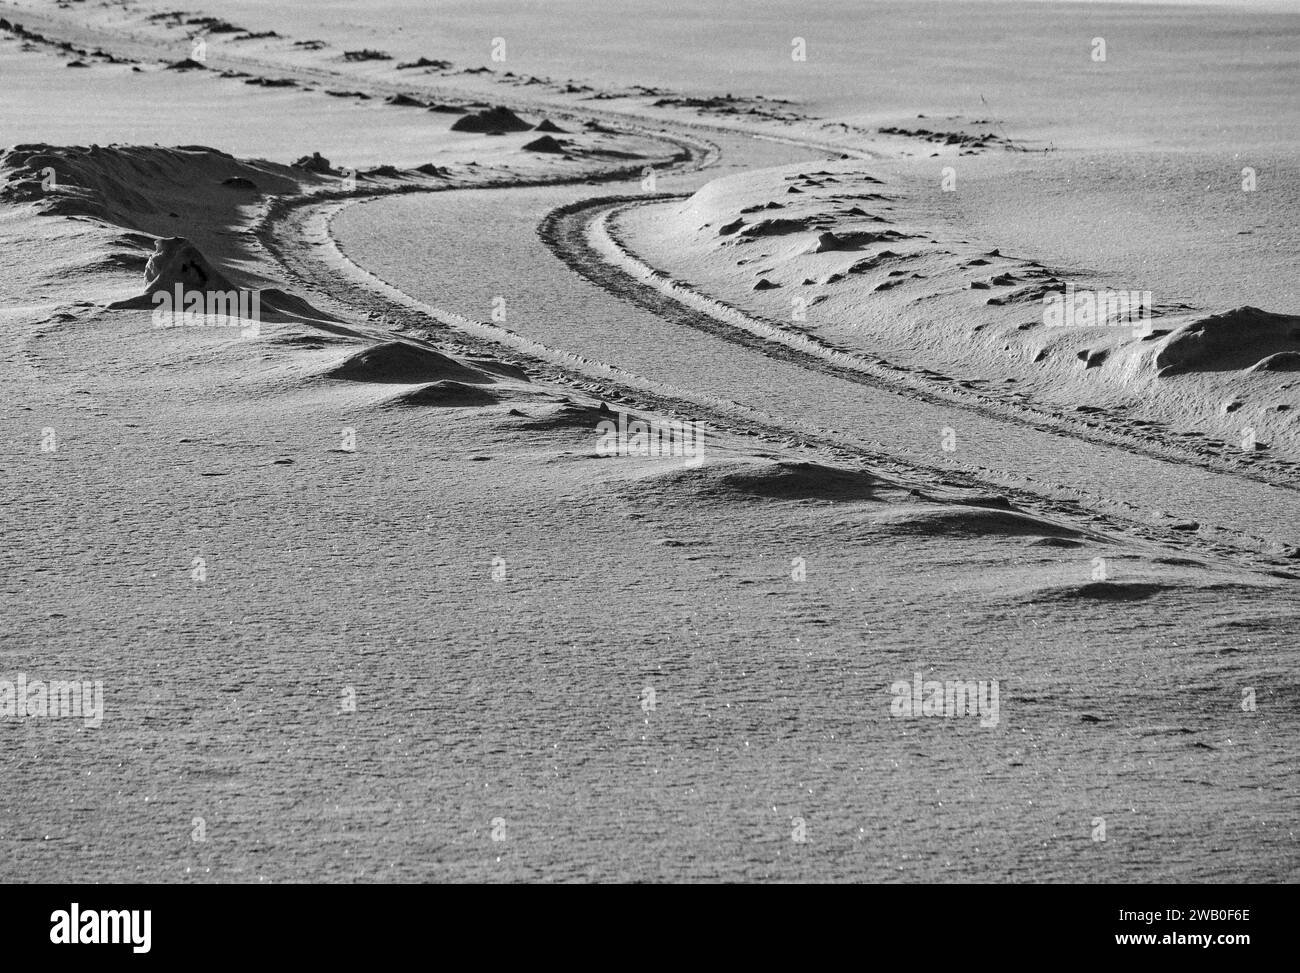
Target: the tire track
(581, 236)
(328, 269)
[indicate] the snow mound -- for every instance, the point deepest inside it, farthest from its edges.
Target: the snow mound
(1244, 337)
(498, 119)
(399, 363)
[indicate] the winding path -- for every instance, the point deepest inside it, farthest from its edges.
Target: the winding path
(604, 324)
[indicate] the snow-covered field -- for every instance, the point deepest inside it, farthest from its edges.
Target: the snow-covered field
(375, 579)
